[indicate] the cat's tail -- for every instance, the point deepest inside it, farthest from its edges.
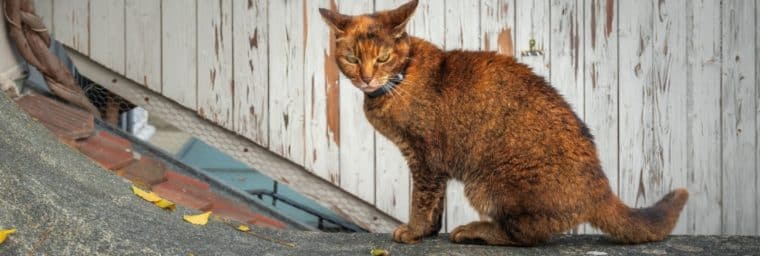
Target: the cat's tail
(630, 225)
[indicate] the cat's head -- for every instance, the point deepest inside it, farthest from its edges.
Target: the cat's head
(371, 48)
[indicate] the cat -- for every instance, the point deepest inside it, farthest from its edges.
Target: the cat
(527, 161)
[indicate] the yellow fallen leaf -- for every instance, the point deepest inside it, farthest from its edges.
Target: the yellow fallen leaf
(165, 204)
(379, 252)
(200, 219)
(5, 233)
(148, 196)
(244, 228)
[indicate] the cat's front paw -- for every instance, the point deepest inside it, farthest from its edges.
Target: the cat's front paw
(407, 235)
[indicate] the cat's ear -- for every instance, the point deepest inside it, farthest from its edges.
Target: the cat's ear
(398, 18)
(335, 20)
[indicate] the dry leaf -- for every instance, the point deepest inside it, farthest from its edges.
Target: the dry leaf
(148, 196)
(379, 252)
(5, 233)
(244, 228)
(200, 219)
(165, 204)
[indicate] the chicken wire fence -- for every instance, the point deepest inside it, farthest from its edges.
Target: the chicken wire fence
(116, 110)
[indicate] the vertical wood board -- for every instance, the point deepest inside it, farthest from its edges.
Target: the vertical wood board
(357, 152)
(251, 73)
(215, 67)
(72, 21)
(321, 96)
(703, 211)
(532, 23)
(179, 55)
(669, 104)
(567, 53)
(497, 24)
(286, 99)
(601, 82)
(107, 38)
(738, 94)
(143, 43)
(757, 116)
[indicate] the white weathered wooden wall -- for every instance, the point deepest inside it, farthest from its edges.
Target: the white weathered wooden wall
(11, 67)
(669, 87)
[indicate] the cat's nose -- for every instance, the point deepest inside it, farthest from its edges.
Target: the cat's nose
(367, 79)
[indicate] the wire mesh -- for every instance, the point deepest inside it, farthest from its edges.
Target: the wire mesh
(110, 105)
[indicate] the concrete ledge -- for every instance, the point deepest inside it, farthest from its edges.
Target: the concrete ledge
(63, 204)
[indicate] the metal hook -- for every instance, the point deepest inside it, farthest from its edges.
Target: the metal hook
(532, 50)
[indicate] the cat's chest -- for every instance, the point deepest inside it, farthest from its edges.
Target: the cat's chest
(402, 119)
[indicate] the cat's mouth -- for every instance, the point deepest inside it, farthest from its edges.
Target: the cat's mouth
(373, 86)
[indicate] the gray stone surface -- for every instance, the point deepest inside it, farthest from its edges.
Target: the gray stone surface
(63, 204)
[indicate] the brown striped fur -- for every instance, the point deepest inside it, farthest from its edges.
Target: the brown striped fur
(527, 161)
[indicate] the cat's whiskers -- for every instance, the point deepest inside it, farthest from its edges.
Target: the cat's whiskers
(402, 94)
(390, 90)
(398, 91)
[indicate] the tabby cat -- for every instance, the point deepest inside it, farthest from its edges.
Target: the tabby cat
(527, 161)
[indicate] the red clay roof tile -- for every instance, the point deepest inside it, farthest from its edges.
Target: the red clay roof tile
(145, 173)
(111, 152)
(185, 191)
(65, 121)
(190, 181)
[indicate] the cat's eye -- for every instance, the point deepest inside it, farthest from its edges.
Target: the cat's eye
(384, 58)
(352, 59)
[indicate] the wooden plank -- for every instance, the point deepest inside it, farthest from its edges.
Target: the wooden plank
(179, 51)
(44, 9)
(107, 27)
(703, 211)
(251, 61)
(428, 21)
(532, 22)
(462, 25)
(357, 156)
(567, 56)
(462, 32)
(143, 46)
(321, 96)
(567, 52)
(72, 20)
(286, 98)
(497, 24)
(669, 104)
(738, 127)
(392, 177)
(215, 85)
(757, 116)
(601, 82)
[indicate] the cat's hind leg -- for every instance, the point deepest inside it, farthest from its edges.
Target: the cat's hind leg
(523, 230)
(536, 228)
(480, 232)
